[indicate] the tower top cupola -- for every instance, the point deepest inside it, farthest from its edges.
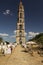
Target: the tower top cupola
(21, 5)
(20, 2)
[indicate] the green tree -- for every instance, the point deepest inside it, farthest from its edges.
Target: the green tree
(7, 42)
(1, 40)
(38, 39)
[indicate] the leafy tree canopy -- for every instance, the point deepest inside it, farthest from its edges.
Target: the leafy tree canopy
(38, 39)
(1, 40)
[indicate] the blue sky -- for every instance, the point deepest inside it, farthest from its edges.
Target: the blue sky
(8, 18)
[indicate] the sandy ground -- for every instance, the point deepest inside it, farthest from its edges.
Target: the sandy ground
(18, 57)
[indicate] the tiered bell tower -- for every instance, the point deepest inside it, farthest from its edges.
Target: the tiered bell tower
(20, 28)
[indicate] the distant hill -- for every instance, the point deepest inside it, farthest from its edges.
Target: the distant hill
(38, 39)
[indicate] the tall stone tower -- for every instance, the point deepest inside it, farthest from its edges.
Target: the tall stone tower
(20, 28)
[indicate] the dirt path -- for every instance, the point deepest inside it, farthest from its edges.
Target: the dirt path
(18, 57)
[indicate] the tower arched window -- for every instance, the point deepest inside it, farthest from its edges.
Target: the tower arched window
(20, 33)
(20, 21)
(20, 40)
(20, 7)
(20, 15)
(20, 27)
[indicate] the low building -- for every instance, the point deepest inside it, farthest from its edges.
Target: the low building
(33, 44)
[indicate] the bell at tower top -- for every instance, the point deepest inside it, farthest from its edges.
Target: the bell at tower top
(20, 2)
(21, 5)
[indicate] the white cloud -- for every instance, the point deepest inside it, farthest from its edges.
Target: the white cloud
(7, 12)
(14, 31)
(25, 34)
(4, 34)
(13, 36)
(32, 34)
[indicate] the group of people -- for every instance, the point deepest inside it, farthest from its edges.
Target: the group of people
(6, 50)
